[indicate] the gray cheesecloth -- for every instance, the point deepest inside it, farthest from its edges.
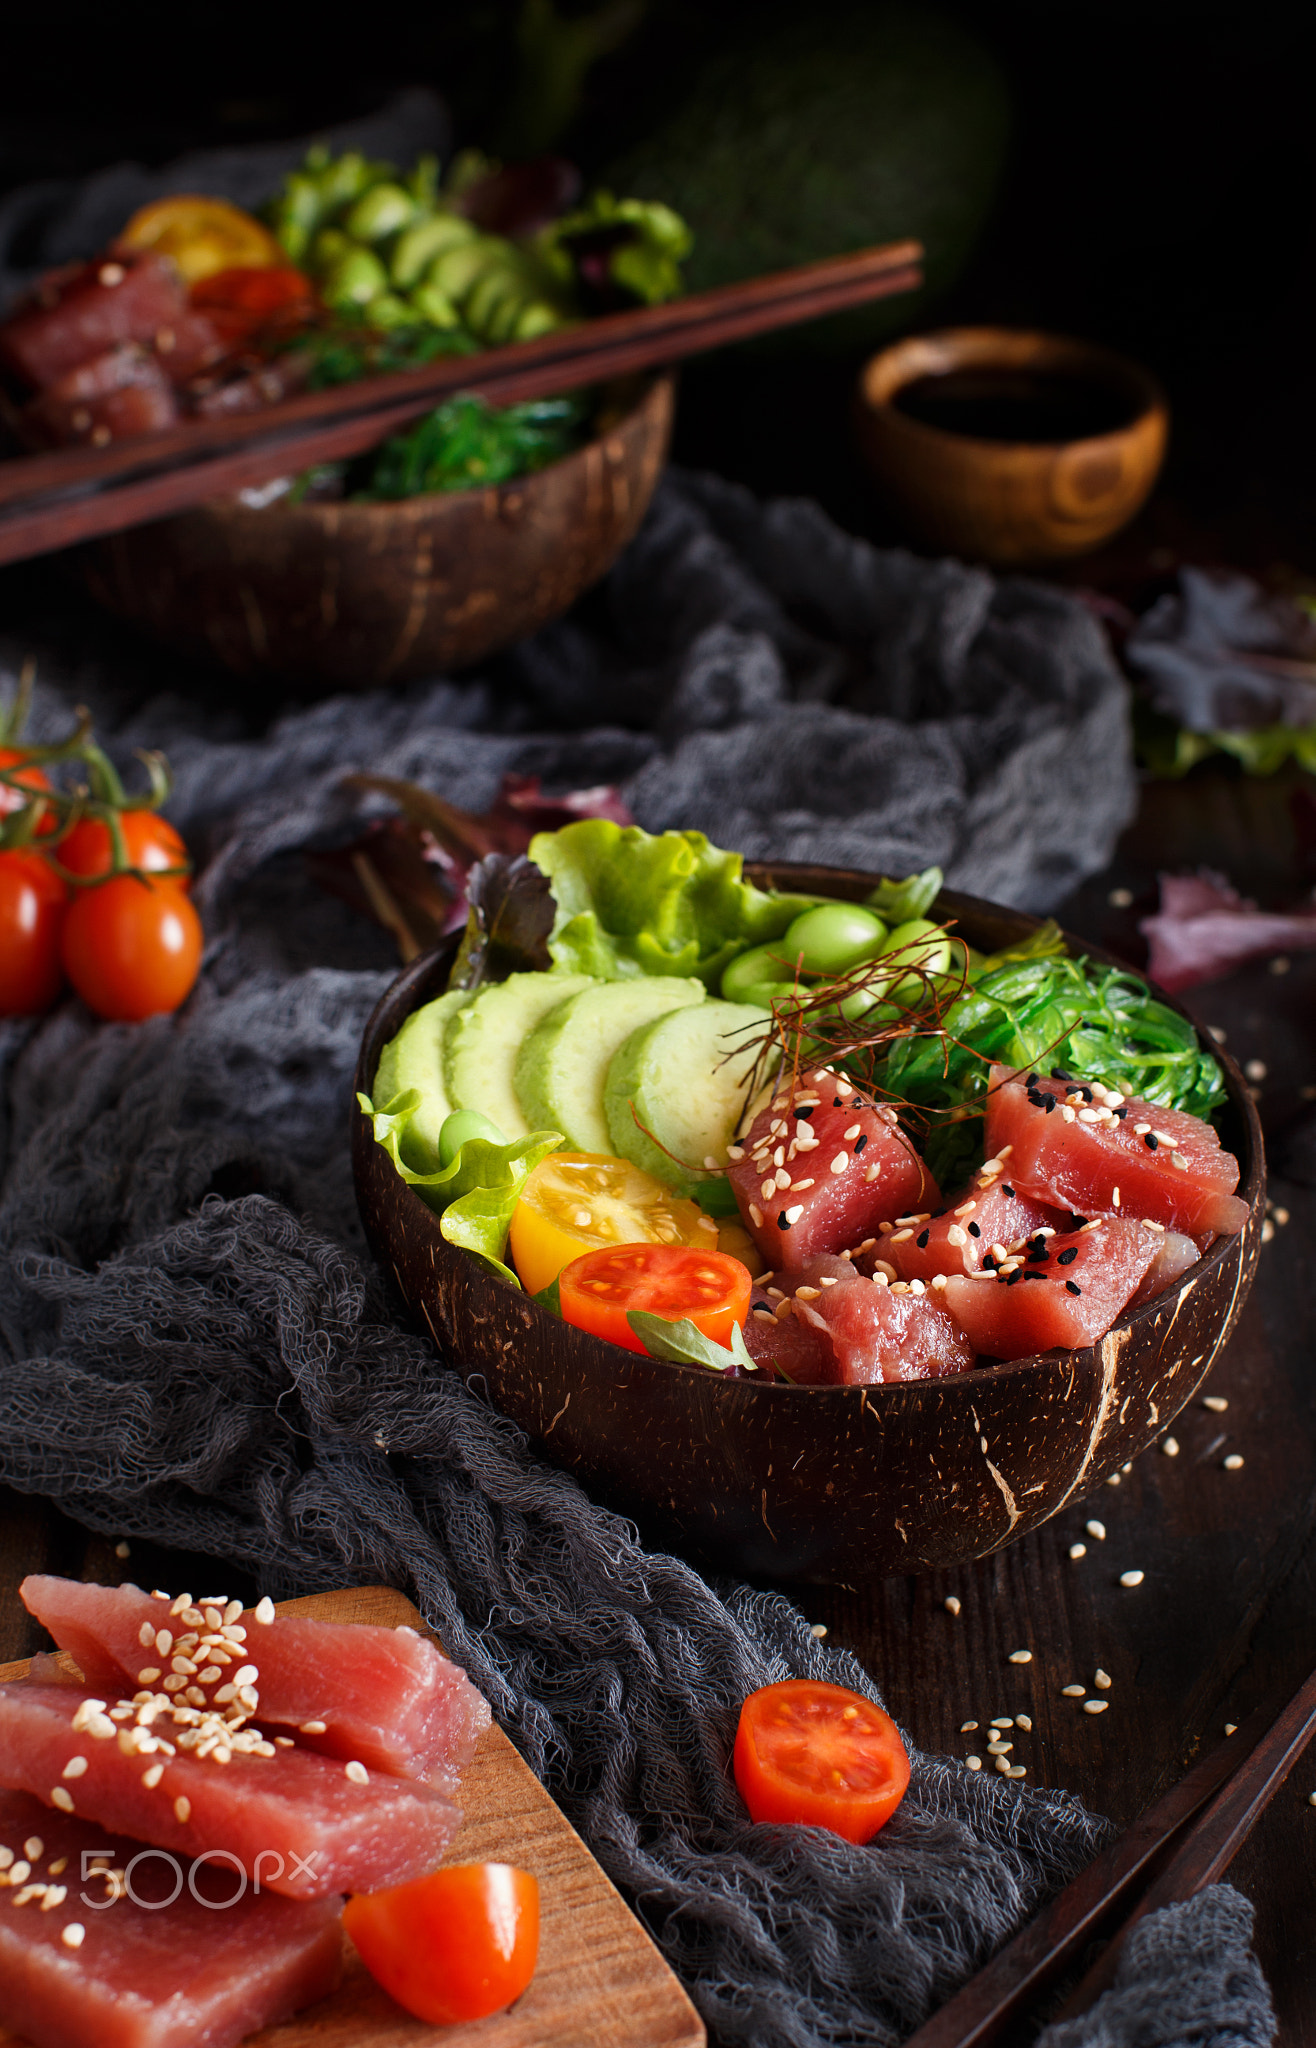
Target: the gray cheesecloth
(195, 1347)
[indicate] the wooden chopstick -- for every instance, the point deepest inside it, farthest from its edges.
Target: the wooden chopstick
(71, 494)
(1228, 1790)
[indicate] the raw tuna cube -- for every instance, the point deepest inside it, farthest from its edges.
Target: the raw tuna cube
(151, 1975)
(382, 1695)
(1177, 1253)
(785, 1346)
(1084, 1146)
(110, 397)
(328, 1827)
(80, 313)
(866, 1331)
(821, 1167)
(989, 1211)
(1061, 1292)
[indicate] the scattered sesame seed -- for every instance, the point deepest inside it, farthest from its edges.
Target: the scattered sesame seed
(1003, 1721)
(62, 1799)
(1231, 1727)
(968, 1728)
(1120, 899)
(1077, 1550)
(1215, 1402)
(1102, 1680)
(1073, 1692)
(1234, 1462)
(73, 1935)
(1021, 1656)
(999, 1748)
(1002, 1764)
(357, 1773)
(1097, 1531)
(313, 1727)
(148, 1674)
(974, 1763)
(1112, 1479)
(1024, 1721)
(152, 1777)
(182, 1809)
(122, 1549)
(34, 1848)
(1134, 1578)
(74, 1768)
(819, 1629)
(1281, 1216)
(1170, 1446)
(1267, 1231)
(951, 1604)
(1255, 1069)
(1095, 1706)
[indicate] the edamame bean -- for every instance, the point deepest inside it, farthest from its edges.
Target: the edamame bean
(419, 244)
(460, 1127)
(354, 279)
(762, 966)
(382, 211)
(834, 937)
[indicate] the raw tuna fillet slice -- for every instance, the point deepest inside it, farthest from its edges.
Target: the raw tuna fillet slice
(989, 1211)
(146, 1976)
(868, 1331)
(1091, 1143)
(118, 394)
(1177, 1253)
(81, 312)
(384, 1696)
(845, 1166)
(1061, 1292)
(315, 1827)
(784, 1346)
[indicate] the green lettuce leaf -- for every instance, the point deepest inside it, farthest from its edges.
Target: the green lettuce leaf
(475, 1195)
(634, 902)
(898, 902)
(684, 1343)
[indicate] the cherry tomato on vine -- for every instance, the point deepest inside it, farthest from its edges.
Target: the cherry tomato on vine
(453, 1946)
(673, 1280)
(31, 777)
(130, 948)
(151, 841)
(33, 901)
(820, 1755)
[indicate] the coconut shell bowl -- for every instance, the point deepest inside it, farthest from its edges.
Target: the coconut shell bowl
(350, 596)
(832, 1485)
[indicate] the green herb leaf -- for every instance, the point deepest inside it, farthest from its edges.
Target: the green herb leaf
(684, 1343)
(898, 902)
(550, 1297)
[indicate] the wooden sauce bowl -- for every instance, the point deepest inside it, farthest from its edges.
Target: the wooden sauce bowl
(1010, 502)
(834, 1485)
(355, 595)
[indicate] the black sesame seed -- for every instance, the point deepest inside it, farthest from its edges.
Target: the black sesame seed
(974, 1230)
(1080, 1222)
(1073, 1287)
(1006, 1189)
(1150, 1140)
(1038, 1255)
(1058, 1075)
(922, 1240)
(837, 1102)
(1121, 1112)
(1068, 1256)
(1032, 1080)
(1012, 1277)
(1050, 1104)
(1036, 1097)
(1087, 1095)
(782, 1224)
(802, 1113)
(1035, 1276)
(860, 1142)
(989, 1264)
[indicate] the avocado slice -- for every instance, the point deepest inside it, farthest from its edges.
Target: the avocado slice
(562, 1067)
(481, 1047)
(414, 1059)
(677, 1088)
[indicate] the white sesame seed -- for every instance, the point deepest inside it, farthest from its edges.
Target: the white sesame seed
(55, 1896)
(1077, 1550)
(152, 1777)
(756, 1215)
(1234, 1462)
(1231, 1727)
(74, 1768)
(146, 1635)
(62, 1799)
(840, 1162)
(19, 1872)
(1255, 1069)
(852, 1133)
(951, 1604)
(1134, 1578)
(148, 1674)
(1021, 1656)
(1281, 1216)
(313, 1727)
(182, 1809)
(794, 1213)
(73, 1935)
(968, 1727)
(1073, 1692)
(357, 1773)
(1003, 1721)
(1215, 1402)
(1002, 1764)
(1170, 1446)
(60, 1864)
(999, 1748)
(1095, 1706)
(1017, 1771)
(818, 1628)
(1112, 1479)
(34, 1848)
(974, 1763)
(1102, 1680)
(1024, 1721)
(1097, 1531)
(164, 1641)
(1311, 1799)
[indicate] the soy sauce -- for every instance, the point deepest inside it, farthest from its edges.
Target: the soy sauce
(1014, 405)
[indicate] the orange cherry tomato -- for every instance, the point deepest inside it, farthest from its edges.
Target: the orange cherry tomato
(454, 1946)
(152, 843)
(673, 1280)
(819, 1755)
(201, 235)
(130, 948)
(578, 1202)
(33, 901)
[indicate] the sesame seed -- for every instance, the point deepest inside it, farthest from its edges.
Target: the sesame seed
(1102, 1680)
(1113, 1479)
(1097, 1531)
(146, 1635)
(313, 1727)
(73, 1935)
(1002, 1764)
(62, 1799)
(999, 1748)
(1170, 1446)
(1231, 1727)
(148, 1674)
(34, 1848)
(1003, 1721)
(968, 1728)
(819, 1629)
(1077, 1550)
(74, 1768)
(1025, 1722)
(1215, 1402)
(1134, 1578)
(1073, 1692)
(1021, 1656)
(357, 1773)
(1234, 1462)
(152, 1777)
(839, 1164)
(182, 1809)
(1095, 1706)
(793, 1214)
(1017, 1771)
(756, 1215)
(956, 1235)
(974, 1763)
(951, 1604)
(1255, 1070)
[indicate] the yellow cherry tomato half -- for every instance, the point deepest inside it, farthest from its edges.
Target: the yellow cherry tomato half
(202, 236)
(578, 1202)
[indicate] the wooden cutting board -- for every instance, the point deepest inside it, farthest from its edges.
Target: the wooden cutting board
(600, 1983)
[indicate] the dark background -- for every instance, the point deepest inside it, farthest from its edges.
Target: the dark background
(1159, 197)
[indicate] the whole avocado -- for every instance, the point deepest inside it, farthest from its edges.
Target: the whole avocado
(810, 138)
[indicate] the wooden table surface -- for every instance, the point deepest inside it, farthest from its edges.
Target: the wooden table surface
(1225, 1617)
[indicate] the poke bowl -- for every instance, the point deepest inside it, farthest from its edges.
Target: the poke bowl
(833, 1484)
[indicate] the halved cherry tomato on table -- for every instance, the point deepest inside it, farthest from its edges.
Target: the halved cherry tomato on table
(680, 1282)
(33, 903)
(152, 844)
(820, 1755)
(576, 1202)
(454, 1946)
(201, 235)
(131, 948)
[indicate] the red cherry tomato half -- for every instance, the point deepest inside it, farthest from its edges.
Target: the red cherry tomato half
(820, 1755)
(454, 1946)
(673, 1280)
(130, 948)
(33, 901)
(31, 778)
(245, 289)
(151, 841)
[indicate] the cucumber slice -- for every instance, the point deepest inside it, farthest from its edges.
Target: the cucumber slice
(562, 1067)
(481, 1047)
(678, 1087)
(414, 1059)
(417, 246)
